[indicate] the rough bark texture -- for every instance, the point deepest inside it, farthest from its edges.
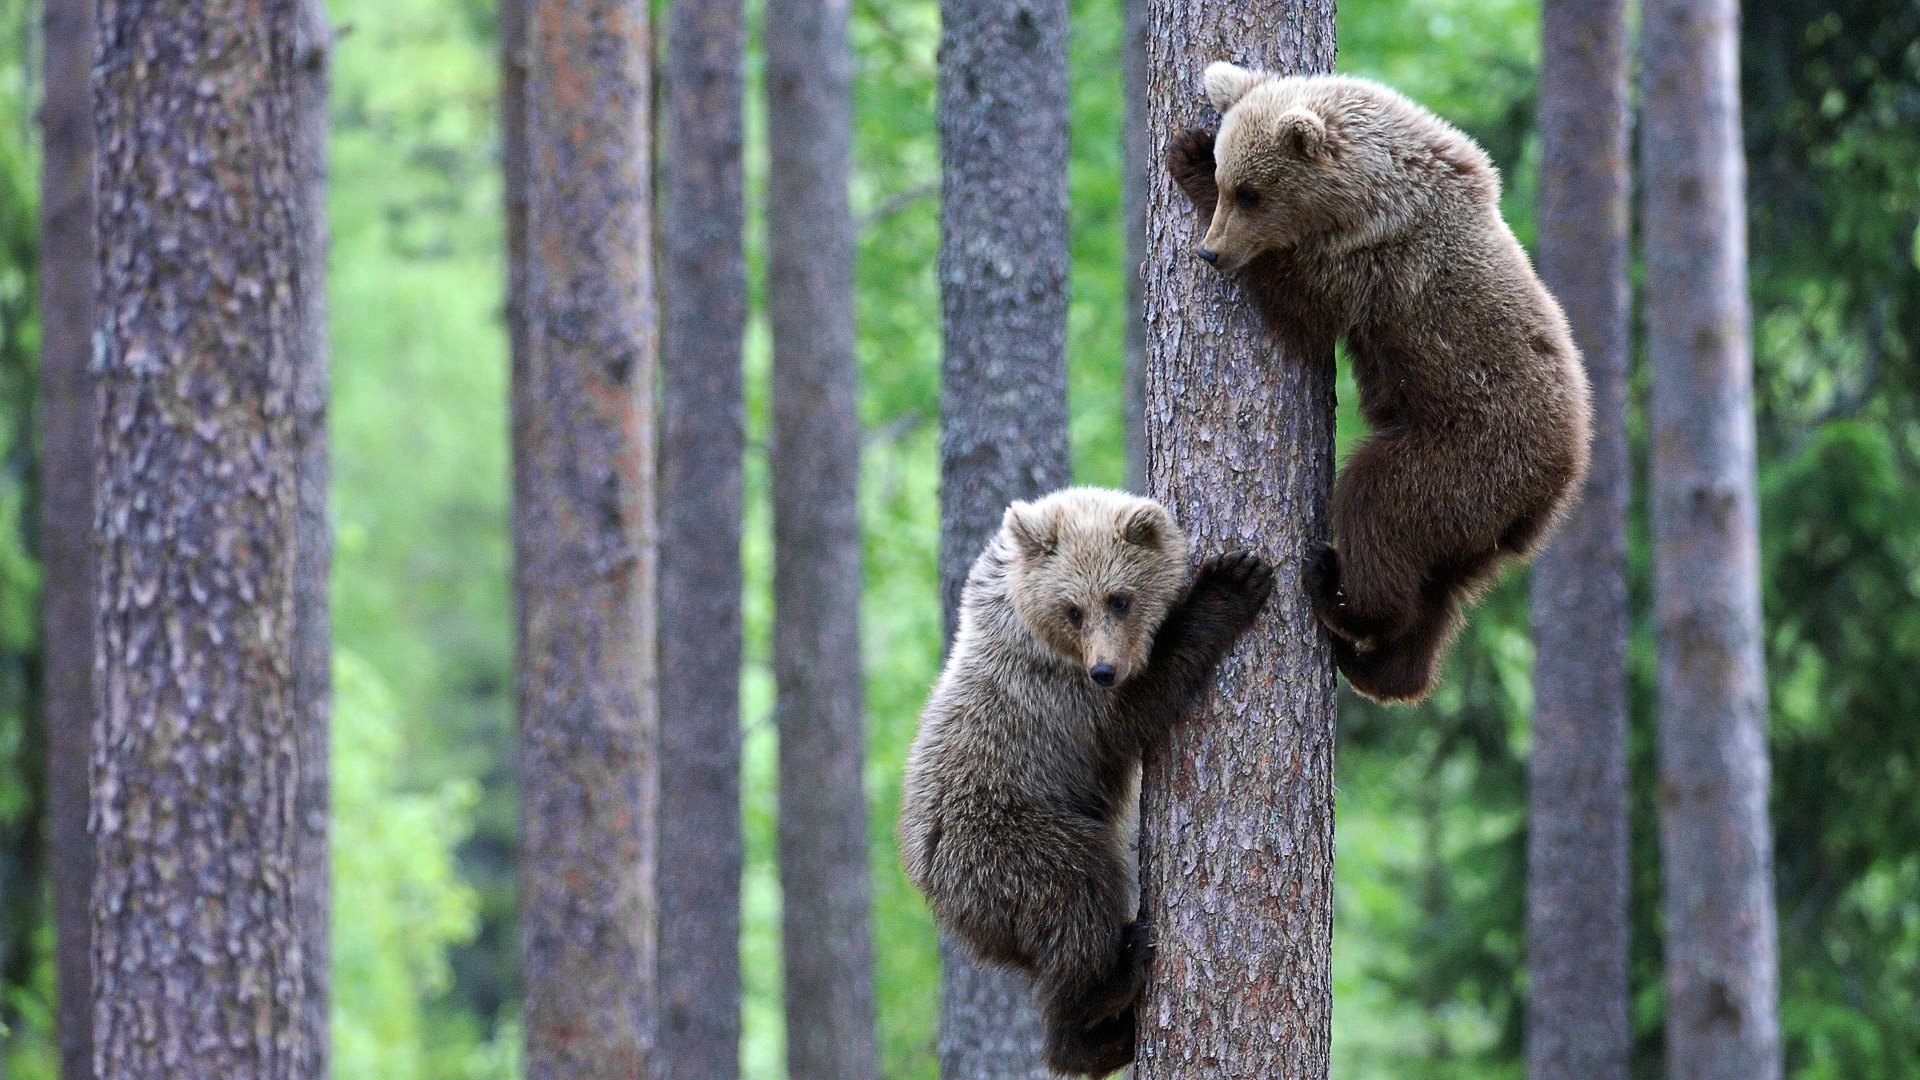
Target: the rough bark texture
(584, 544)
(66, 514)
(199, 965)
(1577, 853)
(1237, 807)
(1716, 847)
(313, 540)
(816, 473)
(1140, 161)
(703, 292)
(1003, 400)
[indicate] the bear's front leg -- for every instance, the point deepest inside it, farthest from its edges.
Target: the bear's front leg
(1227, 595)
(1190, 160)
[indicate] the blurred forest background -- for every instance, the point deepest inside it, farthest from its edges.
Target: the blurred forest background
(1428, 959)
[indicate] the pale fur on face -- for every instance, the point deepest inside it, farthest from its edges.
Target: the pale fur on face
(1323, 160)
(1093, 574)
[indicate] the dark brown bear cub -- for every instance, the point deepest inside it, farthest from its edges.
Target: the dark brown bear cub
(1346, 210)
(1079, 643)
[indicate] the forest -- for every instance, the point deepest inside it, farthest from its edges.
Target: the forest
(848, 355)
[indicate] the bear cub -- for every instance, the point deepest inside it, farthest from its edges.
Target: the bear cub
(1079, 644)
(1347, 210)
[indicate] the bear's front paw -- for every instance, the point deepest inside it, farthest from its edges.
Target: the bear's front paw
(1190, 160)
(1233, 588)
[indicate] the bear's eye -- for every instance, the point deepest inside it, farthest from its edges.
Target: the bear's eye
(1075, 615)
(1118, 604)
(1246, 198)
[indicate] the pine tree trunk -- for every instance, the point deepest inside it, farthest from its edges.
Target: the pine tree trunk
(66, 515)
(1716, 844)
(816, 525)
(584, 543)
(1141, 161)
(313, 540)
(1577, 841)
(1237, 807)
(1004, 262)
(199, 965)
(703, 293)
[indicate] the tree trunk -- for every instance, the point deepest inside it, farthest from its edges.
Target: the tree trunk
(1577, 842)
(703, 292)
(584, 543)
(199, 738)
(1237, 807)
(816, 526)
(1140, 161)
(1716, 847)
(313, 540)
(66, 516)
(1003, 115)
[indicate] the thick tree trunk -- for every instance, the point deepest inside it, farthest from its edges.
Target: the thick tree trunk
(703, 292)
(1003, 400)
(313, 540)
(199, 961)
(66, 515)
(1237, 807)
(1141, 161)
(1716, 845)
(584, 543)
(816, 526)
(1577, 917)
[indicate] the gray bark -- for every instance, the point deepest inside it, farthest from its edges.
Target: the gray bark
(816, 526)
(1003, 401)
(1237, 806)
(1716, 845)
(585, 544)
(66, 514)
(1140, 161)
(199, 966)
(1577, 840)
(703, 300)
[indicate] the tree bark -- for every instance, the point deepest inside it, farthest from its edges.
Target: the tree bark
(1237, 807)
(1577, 840)
(313, 540)
(66, 517)
(199, 966)
(1003, 116)
(1140, 162)
(816, 473)
(585, 544)
(1716, 847)
(703, 293)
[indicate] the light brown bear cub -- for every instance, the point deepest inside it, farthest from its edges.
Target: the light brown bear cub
(1347, 210)
(1080, 643)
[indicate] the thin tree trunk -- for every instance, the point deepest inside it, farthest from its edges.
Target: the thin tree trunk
(703, 292)
(1003, 402)
(313, 540)
(66, 517)
(585, 545)
(816, 524)
(1140, 160)
(1237, 807)
(1716, 846)
(199, 962)
(1577, 842)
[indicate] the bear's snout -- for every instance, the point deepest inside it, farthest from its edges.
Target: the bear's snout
(1210, 256)
(1102, 674)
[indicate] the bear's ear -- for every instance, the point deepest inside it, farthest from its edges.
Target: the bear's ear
(1301, 130)
(1144, 526)
(1228, 83)
(1034, 531)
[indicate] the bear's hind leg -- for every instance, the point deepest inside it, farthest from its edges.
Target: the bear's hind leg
(1402, 669)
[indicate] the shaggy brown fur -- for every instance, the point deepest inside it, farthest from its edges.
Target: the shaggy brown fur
(1079, 644)
(1348, 210)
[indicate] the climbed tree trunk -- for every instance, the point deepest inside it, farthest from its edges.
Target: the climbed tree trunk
(703, 294)
(1003, 401)
(313, 540)
(816, 537)
(1577, 856)
(584, 543)
(66, 516)
(199, 738)
(1716, 843)
(1237, 807)
(1140, 162)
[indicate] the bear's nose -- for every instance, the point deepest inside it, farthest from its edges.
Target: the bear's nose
(1102, 674)
(1210, 256)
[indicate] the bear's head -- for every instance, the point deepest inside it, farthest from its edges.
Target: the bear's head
(1093, 575)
